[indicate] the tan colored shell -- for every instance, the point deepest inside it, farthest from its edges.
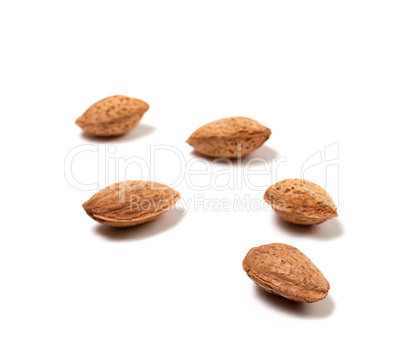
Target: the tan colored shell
(229, 137)
(112, 116)
(285, 271)
(300, 202)
(130, 203)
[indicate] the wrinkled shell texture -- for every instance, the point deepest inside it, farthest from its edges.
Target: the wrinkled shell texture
(285, 271)
(130, 203)
(112, 116)
(300, 202)
(229, 137)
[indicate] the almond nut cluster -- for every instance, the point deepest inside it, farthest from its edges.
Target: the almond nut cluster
(277, 268)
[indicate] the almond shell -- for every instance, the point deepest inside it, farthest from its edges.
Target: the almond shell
(285, 271)
(112, 116)
(130, 203)
(230, 137)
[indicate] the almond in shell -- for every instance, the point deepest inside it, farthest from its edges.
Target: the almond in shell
(130, 203)
(112, 116)
(285, 271)
(301, 202)
(230, 137)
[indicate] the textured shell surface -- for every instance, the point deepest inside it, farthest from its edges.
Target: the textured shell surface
(301, 202)
(229, 137)
(285, 271)
(130, 203)
(111, 116)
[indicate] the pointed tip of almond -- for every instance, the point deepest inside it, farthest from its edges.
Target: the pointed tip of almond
(79, 122)
(332, 211)
(85, 206)
(145, 106)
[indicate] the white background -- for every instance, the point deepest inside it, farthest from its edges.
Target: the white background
(315, 72)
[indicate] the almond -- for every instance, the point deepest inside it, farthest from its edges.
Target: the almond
(130, 203)
(112, 116)
(230, 137)
(285, 271)
(301, 202)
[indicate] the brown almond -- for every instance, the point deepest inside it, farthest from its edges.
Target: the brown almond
(230, 137)
(112, 116)
(301, 202)
(130, 203)
(285, 271)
